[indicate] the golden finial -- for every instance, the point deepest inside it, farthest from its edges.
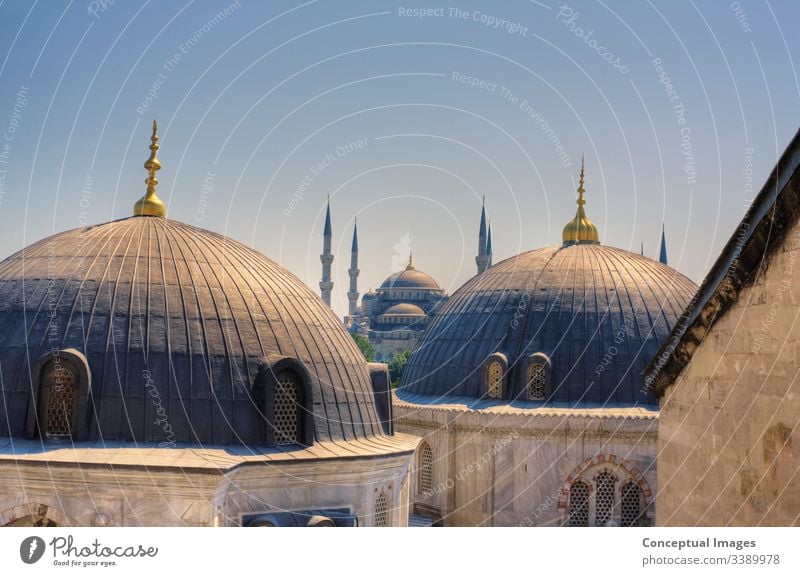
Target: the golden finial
(410, 261)
(580, 230)
(150, 204)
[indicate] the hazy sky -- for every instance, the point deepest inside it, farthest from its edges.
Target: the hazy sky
(406, 114)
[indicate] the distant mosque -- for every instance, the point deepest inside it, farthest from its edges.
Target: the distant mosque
(393, 317)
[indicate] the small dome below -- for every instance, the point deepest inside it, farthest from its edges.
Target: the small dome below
(404, 310)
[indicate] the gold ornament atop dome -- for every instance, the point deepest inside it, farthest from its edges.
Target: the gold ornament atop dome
(410, 262)
(580, 230)
(150, 204)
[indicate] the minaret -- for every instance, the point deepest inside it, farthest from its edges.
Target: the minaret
(482, 259)
(489, 245)
(150, 204)
(662, 256)
(326, 285)
(352, 295)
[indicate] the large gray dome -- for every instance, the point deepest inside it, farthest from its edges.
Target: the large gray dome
(595, 315)
(166, 315)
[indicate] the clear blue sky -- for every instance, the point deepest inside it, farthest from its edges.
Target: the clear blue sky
(259, 97)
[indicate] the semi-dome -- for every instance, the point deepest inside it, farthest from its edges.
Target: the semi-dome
(404, 309)
(161, 331)
(573, 324)
(410, 277)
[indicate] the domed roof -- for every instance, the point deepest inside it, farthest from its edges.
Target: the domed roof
(598, 313)
(404, 309)
(174, 332)
(410, 277)
(198, 311)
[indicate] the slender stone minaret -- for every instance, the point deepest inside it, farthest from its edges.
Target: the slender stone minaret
(482, 259)
(352, 295)
(489, 244)
(326, 284)
(662, 256)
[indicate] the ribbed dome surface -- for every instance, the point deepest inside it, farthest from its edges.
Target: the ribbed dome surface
(410, 278)
(599, 314)
(198, 311)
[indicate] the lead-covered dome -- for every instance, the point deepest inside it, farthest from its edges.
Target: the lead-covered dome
(410, 277)
(571, 324)
(148, 329)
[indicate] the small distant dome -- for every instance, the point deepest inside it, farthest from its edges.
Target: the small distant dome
(404, 310)
(410, 278)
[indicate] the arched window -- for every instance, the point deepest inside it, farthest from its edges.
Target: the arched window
(494, 379)
(630, 504)
(59, 379)
(604, 500)
(381, 511)
(537, 381)
(288, 402)
(425, 468)
(579, 504)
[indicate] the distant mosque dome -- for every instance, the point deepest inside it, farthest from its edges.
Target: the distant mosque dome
(571, 325)
(147, 329)
(410, 277)
(404, 310)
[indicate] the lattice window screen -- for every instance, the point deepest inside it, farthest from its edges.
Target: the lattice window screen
(60, 382)
(579, 504)
(494, 375)
(604, 499)
(537, 381)
(425, 465)
(381, 511)
(287, 409)
(630, 504)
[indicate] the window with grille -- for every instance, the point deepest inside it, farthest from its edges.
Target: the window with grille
(537, 381)
(579, 504)
(59, 378)
(425, 468)
(494, 377)
(604, 499)
(381, 511)
(630, 504)
(287, 409)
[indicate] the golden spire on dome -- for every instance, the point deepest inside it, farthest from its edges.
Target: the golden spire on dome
(580, 230)
(150, 204)
(410, 261)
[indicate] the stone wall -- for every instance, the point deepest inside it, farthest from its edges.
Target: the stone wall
(729, 451)
(514, 469)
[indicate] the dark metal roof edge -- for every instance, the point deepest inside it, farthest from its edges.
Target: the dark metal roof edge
(715, 296)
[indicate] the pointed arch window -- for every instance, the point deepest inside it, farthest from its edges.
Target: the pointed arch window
(425, 469)
(579, 504)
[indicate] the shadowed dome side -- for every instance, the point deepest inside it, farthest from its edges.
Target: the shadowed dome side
(592, 316)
